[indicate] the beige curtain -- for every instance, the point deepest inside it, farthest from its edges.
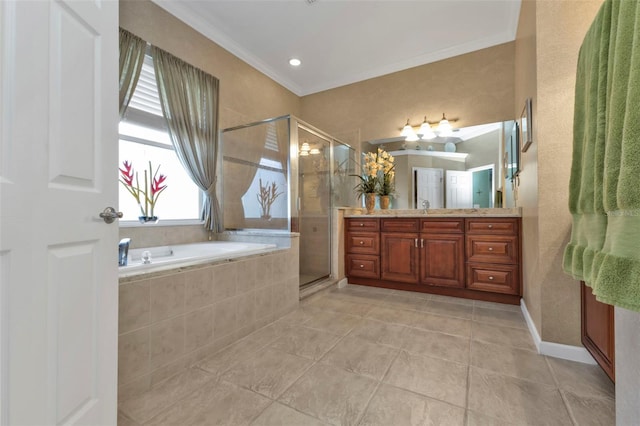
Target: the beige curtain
(132, 50)
(189, 99)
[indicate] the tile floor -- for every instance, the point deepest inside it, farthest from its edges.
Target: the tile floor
(368, 356)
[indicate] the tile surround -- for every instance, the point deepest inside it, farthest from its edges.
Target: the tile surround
(319, 365)
(172, 320)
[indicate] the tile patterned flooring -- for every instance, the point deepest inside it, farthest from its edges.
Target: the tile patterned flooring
(368, 356)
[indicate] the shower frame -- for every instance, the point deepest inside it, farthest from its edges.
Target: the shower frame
(293, 170)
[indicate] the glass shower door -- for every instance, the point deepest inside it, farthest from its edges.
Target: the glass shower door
(314, 182)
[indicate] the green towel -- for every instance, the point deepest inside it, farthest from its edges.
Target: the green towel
(605, 177)
(585, 193)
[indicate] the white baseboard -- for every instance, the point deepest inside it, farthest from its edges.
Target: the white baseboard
(556, 350)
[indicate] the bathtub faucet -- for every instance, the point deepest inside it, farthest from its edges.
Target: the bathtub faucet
(123, 251)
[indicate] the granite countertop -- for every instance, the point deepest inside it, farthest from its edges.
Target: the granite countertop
(510, 212)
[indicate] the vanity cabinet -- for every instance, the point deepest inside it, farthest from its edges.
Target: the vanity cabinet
(442, 252)
(362, 246)
(400, 250)
(465, 257)
(493, 253)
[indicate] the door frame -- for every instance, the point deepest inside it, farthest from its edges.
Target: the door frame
(492, 167)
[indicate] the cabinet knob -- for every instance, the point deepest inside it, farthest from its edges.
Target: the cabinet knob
(362, 266)
(362, 224)
(491, 277)
(361, 242)
(490, 226)
(490, 248)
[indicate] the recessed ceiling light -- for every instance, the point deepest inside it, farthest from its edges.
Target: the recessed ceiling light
(294, 62)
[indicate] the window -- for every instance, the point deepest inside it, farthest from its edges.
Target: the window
(144, 137)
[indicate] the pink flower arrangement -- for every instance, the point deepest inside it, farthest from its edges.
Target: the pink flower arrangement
(149, 193)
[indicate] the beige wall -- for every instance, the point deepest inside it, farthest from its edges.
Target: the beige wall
(549, 37)
(476, 87)
(527, 194)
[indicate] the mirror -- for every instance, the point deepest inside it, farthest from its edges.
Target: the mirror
(465, 170)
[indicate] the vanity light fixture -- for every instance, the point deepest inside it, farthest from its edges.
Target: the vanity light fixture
(305, 147)
(303, 153)
(444, 127)
(408, 133)
(314, 151)
(425, 131)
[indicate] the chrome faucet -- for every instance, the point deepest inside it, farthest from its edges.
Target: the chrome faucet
(425, 205)
(123, 251)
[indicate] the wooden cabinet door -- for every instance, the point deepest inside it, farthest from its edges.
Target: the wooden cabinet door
(598, 333)
(442, 260)
(399, 257)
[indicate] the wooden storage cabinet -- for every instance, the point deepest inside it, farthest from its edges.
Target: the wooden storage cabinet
(493, 278)
(363, 243)
(359, 225)
(598, 330)
(362, 265)
(476, 258)
(362, 246)
(493, 255)
(399, 257)
(442, 260)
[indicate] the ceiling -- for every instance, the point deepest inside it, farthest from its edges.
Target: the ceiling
(345, 41)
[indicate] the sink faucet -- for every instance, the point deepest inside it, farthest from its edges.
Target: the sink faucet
(425, 205)
(123, 251)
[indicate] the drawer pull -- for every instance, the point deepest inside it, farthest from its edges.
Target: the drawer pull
(416, 242)
(490, 248)
(362, 266)
(490, 226)
(491, 277)
(361, 242)
(361, 224)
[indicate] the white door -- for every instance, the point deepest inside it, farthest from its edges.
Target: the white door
(58, 163)
(459, 190)
(428, 187)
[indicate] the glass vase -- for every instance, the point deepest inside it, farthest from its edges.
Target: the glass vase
(148, 219)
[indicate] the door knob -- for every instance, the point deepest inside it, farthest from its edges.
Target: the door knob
(110, 215)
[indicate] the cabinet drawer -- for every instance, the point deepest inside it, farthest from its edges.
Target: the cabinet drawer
(493, 278)
(492, 226)
(492, 249)
(363, 242)
(399, 225)
(361, 265)
(442, 226)
(362, 225)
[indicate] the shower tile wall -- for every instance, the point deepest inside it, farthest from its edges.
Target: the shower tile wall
(169, 322)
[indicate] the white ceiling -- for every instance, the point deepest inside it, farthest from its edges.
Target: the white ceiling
(345, 41)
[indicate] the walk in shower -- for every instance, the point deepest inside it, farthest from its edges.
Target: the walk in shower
(282, 174)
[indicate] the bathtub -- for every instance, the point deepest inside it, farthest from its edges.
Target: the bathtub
(169, 257)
